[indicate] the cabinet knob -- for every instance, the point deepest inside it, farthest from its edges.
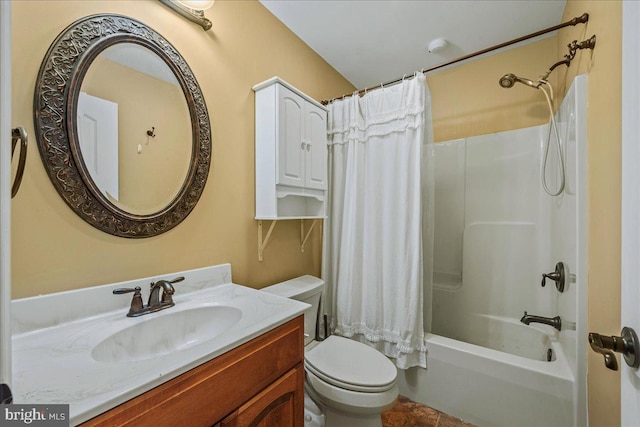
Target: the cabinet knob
(308, 147)
(302, 146)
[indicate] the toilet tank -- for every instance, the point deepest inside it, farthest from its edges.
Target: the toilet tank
(306, 289)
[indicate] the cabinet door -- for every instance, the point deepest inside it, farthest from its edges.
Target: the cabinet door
(290, 138)
(316, 145)
(279, 405)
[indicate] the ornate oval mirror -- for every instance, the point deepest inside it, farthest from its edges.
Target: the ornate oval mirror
(122, 126)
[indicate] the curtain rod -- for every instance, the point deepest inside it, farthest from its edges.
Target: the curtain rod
(575, 21)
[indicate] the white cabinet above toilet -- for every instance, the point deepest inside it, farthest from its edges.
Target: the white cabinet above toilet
(291, 152)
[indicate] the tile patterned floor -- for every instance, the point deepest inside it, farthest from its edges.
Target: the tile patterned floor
(407, 413)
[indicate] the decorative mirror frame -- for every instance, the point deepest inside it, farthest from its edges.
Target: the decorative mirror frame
(55, 105)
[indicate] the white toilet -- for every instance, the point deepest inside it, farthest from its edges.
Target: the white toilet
(350, 381)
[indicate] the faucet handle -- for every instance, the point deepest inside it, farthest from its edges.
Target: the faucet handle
(119, 291)
(557, 276)
(136, 303)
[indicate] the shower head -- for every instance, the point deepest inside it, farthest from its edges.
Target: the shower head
(508, 80)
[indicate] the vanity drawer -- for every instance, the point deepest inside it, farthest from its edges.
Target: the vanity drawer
(206, 394)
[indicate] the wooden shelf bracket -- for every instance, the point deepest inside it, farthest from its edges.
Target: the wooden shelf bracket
(303, 237)
(263, 243)
(263, 239)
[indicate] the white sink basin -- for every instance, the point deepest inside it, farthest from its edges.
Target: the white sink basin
(166, 332)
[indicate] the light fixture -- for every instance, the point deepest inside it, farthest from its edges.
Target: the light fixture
(198, 4)
(192, 10)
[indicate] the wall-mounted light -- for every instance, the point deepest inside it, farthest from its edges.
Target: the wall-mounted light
(192, 10)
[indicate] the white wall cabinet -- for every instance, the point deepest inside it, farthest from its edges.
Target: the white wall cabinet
(302, 141)
(291, 152)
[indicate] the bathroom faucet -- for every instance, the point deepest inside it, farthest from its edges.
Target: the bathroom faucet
(551, 321)
(155, 302)
(167, 292)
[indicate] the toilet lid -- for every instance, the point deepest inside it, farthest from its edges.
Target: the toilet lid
(351, 365)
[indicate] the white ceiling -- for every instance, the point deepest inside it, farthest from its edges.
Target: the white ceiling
(140, 59)
(374, 41)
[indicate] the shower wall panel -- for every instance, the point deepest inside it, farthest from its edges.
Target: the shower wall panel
(568, 234)
(449, 214)
(495, 220)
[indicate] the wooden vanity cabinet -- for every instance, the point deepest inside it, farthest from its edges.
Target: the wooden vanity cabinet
(257, 384)
(275, 406)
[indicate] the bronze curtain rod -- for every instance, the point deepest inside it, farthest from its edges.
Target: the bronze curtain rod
(575, 21)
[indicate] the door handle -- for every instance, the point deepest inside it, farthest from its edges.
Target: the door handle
(627, 344)
(19, 134)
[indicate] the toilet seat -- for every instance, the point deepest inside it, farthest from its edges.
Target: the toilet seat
(351, 365)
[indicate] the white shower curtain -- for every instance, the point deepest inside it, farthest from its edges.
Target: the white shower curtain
(379, 232)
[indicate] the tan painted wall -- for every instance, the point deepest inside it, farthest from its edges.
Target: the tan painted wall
(54, 250)
(468, 101)
(604, 132)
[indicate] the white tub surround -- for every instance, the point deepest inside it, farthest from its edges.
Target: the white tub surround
(55, 336)
(496, 233)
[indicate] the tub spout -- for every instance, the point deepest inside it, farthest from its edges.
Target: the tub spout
(551, 321)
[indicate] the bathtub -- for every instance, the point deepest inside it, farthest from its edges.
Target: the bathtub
(504, 334)
(509, 385)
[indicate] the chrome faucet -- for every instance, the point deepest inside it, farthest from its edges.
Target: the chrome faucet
(155, 302)
(556, 322)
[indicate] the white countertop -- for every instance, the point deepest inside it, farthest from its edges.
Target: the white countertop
(52, 361)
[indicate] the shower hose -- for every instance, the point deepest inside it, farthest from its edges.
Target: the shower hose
(549, 97)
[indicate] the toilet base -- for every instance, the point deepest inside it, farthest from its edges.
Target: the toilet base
(343, 414)
(313, 416)
(337, 419)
